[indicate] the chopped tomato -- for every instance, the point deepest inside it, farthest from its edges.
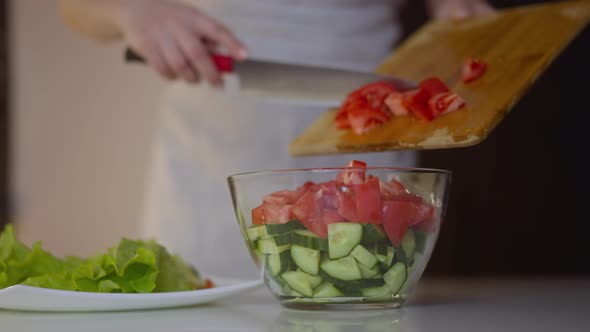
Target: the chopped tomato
(327, 193)
(445, 102)
(353, 197)
(375, 92)
(365, 108)
(433, 86)
(341, 120)
(417, 102)
(268, 213)
(428, 225)
(391, 189)
(209, 283)
(368, 202)
(399, 215)
(345, 204)
(407, 197)
(258, 215)
(287, 196)
(353, 174)
(308, 211)
(395, 103)
(362, 119)
(473, 69)
(281, 197)
(395, 226)
(330, 216)
(276, 213)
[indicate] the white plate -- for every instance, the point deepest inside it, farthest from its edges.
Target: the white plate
(20, 297)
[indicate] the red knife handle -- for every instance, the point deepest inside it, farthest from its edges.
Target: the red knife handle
(223, 63)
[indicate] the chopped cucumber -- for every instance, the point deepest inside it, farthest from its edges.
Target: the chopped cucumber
(256, 232)
(416, 261)
(261, 231)
(298, 282)
(421, 238)
(314, 281)
(382, 292)
(326, 289)
(278, 263)
(373, 233)
(364, 257)
(269, 246)
(342, 238)
(396, 277)
(368, 273)
(349, 289)
(387, 260)
(365, 283)
(380, 248)
(409, 244)
(279, 240)
(353, 287)
(342, 269)
(307, 239)
(308, 260)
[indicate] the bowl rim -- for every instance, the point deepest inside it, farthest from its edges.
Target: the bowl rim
(331, 169)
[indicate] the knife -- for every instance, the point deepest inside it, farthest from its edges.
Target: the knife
(294, 83)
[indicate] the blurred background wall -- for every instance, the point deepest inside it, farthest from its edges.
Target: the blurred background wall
(81, 123)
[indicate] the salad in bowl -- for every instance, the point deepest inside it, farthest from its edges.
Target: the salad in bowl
(339, 237)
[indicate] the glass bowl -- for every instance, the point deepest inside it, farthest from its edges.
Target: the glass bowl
(341, 238)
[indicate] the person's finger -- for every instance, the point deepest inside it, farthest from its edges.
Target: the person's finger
(219, 34)
(197, 54)
(482, 8)
(175, 58)
(154, 57)
(458, 11)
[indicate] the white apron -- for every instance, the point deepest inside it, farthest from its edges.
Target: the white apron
(205, 135)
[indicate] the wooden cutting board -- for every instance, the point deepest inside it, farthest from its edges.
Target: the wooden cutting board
(518, 44)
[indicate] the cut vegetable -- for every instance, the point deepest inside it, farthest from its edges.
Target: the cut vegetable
(372, 234)
(421, 238)
(473, 69)
(409, 244)
(367, 273)
(278, 263)
(395, 277)
(308, 239)
(342, 238)
(261, 231)
(382, 292)
(326, 289)
(342, 269)
(298, 282)
(308, 260)
(354, 236)
(364, 257)
(387, 260)
(269, 246)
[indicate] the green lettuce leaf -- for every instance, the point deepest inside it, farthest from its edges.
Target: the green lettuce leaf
(130, 267)
(18, 262)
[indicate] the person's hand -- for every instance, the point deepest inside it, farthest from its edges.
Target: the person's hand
(176, 39)
(458, 9)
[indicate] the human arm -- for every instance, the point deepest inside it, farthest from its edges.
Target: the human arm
(457, 9)
(174, 38)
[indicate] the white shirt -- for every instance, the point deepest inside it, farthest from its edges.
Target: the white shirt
(206, 135)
